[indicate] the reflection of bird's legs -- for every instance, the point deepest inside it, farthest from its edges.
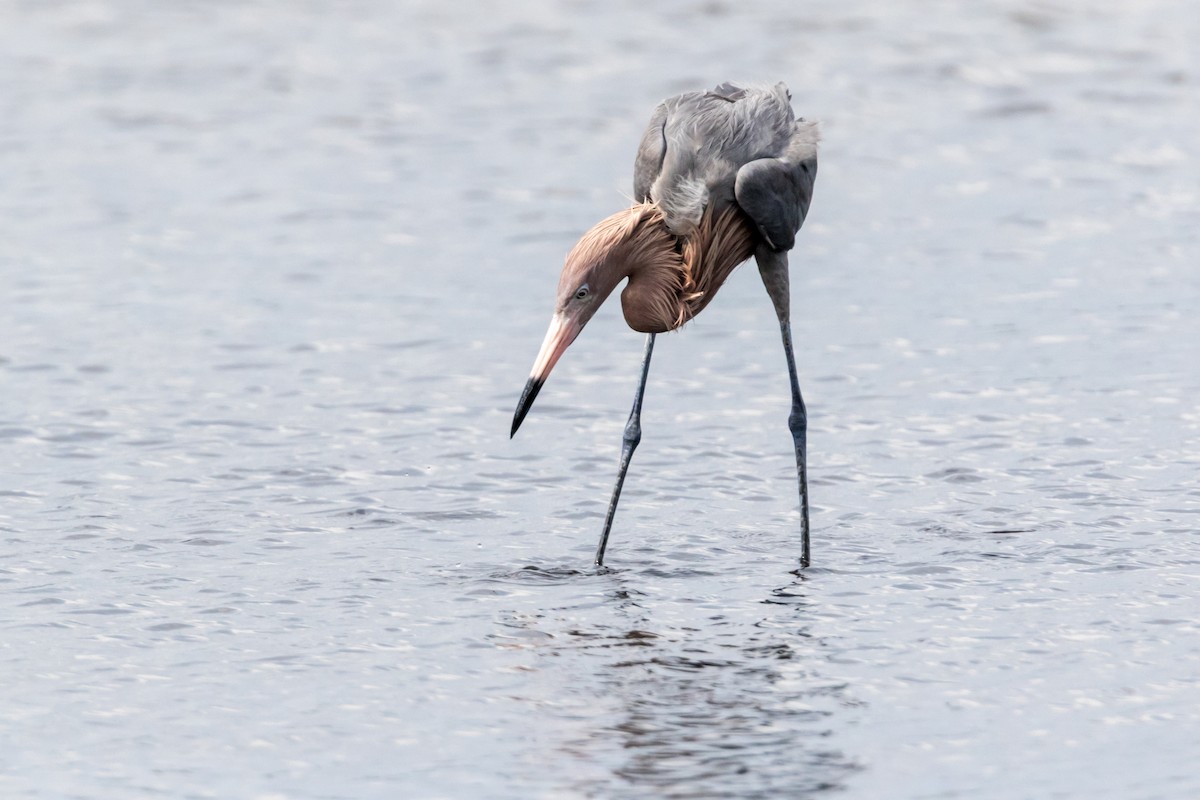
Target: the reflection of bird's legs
(773, 267)
(633, 435)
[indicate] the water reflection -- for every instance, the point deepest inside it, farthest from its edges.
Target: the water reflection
(696, 703)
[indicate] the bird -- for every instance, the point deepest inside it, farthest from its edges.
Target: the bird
(720, 175)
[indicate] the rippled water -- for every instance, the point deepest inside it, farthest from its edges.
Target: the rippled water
(274, 276)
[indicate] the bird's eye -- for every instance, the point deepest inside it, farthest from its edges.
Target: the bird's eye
(582, 292)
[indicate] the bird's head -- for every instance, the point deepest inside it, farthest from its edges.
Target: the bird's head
(605, 255)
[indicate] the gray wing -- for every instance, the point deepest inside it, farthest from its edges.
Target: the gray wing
(776, 192)
(696, 142)
(651, 151)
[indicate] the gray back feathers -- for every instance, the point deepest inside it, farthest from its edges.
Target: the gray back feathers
(730, 145)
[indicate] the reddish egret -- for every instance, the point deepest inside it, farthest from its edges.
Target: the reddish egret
(719, 176)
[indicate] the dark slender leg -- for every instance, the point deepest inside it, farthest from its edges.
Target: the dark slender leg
(633, 435)
(773, 267)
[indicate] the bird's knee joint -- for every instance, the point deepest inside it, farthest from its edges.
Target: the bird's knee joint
(633, 434)
(798, 422)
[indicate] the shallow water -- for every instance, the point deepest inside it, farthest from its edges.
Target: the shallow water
(274, 280)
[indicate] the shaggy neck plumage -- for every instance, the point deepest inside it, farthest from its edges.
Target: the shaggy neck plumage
(671, 278)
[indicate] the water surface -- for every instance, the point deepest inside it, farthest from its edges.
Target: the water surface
(274, 277)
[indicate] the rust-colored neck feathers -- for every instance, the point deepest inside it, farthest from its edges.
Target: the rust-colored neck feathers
(671, 278)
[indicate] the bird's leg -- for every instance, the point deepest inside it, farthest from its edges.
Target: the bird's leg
(773, 267)
(633, 435)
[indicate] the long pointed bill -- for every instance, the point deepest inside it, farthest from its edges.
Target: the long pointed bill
(562, 332)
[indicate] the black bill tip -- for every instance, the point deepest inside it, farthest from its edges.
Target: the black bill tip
(532, 387)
